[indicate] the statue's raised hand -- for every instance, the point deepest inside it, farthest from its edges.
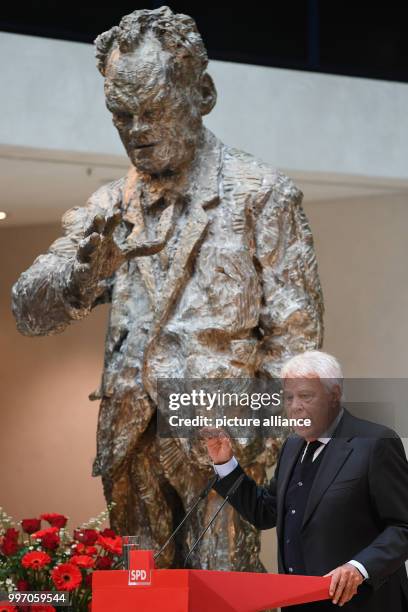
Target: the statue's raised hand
(98, 255)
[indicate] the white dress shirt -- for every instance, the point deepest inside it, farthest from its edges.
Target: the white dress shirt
(224, 469)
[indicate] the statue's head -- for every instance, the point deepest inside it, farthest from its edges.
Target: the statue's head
(156, 87)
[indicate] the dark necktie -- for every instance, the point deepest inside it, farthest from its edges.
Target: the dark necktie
(310, 451)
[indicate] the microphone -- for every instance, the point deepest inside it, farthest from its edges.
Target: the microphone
(200, 497)
(230, 492)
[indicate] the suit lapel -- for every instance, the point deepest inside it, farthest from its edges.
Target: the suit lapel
(333, 458)
(133, 215)
(203, 193)
(179, 270)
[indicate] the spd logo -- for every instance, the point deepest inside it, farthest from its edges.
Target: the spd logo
(139, 576)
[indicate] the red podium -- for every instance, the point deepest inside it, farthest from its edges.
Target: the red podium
(203, 590)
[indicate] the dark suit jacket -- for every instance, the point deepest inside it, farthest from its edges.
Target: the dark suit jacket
(357, 509)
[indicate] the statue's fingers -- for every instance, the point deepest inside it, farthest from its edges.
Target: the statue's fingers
(112, 221)
(96, 225)
(87, 247)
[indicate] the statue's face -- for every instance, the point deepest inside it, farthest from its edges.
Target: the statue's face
(158, 122)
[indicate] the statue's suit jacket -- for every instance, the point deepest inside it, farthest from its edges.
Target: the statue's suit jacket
(241, 292)
(357, 509)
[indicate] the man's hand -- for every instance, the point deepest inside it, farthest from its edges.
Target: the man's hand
(344, 583)
(218, 444)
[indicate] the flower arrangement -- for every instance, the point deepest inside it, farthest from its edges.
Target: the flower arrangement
(40, 555)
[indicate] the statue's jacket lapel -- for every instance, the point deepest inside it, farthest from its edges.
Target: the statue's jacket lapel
(141, 305)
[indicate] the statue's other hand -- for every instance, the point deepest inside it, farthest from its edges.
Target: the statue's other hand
(218, 444)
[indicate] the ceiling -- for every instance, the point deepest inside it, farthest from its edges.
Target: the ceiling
(354, 38)
(37, 187)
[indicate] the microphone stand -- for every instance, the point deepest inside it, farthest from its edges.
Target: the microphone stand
(200, 497)
(230, 492)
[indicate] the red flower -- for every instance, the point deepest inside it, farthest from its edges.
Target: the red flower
(104, 563)
(55, 520)
(66, 577)
(86, 536)
(23, 585)
(43, 608)
(11, 534)
(82, 561)
(108, 533)
(43, 532)
(112, 545)
(4, 608)
(31, 525)
(79, 548)
(50, 541)
(9, 544)
(9, 547)
(35, 560)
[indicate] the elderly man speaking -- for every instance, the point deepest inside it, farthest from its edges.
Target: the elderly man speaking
(339, 496)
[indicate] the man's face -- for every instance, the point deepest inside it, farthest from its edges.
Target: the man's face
(308, 398)
(158, 122)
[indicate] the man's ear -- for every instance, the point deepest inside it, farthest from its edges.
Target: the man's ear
(336, 394)
(208, 94)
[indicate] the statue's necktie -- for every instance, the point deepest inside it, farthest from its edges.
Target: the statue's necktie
(154, 222)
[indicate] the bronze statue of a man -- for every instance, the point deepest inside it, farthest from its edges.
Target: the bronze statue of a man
(207, 260)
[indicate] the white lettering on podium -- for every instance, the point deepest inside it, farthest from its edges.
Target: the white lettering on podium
(139, 576)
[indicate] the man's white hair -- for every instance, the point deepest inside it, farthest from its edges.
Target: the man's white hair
(314, 363)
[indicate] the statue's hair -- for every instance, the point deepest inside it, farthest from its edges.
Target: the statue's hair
(177, 34)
